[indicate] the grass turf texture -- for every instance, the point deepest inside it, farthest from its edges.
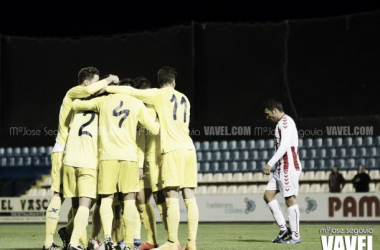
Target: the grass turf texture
(210, 236)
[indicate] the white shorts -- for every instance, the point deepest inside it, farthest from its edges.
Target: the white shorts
(285, 182)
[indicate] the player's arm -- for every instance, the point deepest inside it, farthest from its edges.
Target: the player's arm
(93, 104)
(286, 133)
(80, 91)
(148, 96)
(148, 121)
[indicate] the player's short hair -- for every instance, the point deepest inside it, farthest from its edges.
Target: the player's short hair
(166, 75)
(273, 104)
(87, 74)
(142, 83)
(127, 82)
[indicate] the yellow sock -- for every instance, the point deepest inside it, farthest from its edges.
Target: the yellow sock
(163, 210)
(148, 218)
(52, 216)
(83, 239)
(96, 222)
(70, 224)
(80, 224)
(192, 218)
(106, 216)
(173, 218)
(138, 219)
(130, 216)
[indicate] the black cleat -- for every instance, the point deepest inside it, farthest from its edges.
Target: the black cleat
(282, 235)
(65, 237)
(52, 247)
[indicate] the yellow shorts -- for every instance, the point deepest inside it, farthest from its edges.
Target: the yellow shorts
(57, 172)
(79, 182)
(179, 169)
(113, 173)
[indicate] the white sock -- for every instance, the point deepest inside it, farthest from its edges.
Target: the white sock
(294, 221)
(275, 208)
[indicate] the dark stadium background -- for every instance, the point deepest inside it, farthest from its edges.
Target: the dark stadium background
(321, 59)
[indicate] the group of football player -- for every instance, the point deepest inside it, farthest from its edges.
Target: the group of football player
(119, 143)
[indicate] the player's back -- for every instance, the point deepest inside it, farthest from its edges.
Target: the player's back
(119, 115)
(174, 113)
(65, 112)
(82, 143)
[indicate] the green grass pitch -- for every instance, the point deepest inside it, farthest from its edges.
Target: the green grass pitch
(224, 236)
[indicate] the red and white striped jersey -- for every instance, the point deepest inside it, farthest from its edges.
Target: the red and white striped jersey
(286, 143)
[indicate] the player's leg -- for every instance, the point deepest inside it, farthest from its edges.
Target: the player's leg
(69, 191)
(94, 242)
(270, 198)
(148, 217)
(188, 193)
(159, 198)
(290, 179)
(172, 180)
(52, 212)
(155, 170)
(86, 189)
(107, 182)
(192, 217)
(80, 224)
(172, 219)
(65, 232)
(117, 221)
(139, 197)
(129, 186)
(147, 214)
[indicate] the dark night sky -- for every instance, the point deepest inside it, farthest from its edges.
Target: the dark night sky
(91, 18)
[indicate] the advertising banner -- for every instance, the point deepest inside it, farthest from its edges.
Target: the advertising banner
(225, 208)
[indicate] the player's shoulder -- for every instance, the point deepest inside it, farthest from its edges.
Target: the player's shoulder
(286, 121)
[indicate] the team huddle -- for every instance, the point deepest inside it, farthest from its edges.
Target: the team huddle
(119, 145)
(121, 142)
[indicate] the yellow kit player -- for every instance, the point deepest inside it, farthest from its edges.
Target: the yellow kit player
(80, 170)
(178, 152)
(150, 153)
(119, 115)
(88, 80)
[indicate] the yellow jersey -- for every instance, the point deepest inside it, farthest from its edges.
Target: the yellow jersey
(82, 143)
(65, 113)
(173, 109)
(119, 115)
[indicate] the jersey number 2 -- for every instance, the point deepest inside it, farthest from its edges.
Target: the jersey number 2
(183, 101)
(118, 113)
(81, 132)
